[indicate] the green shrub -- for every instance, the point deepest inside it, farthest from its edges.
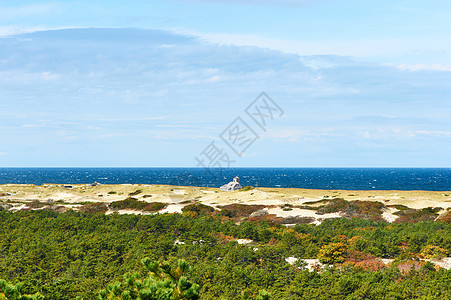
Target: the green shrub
(137, 192)
(94, 208)
(13, 292)
(353, 209)
(129, 203)
(241, 210)
(155, 206)
(246, 188)
(431, 251)
(35, 204)
(198, 208)
(333, 253)
(413, 215)
(332, 206)
(163, 282)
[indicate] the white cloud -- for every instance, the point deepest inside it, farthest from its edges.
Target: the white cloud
(333, 104)
(130, 119)
(436, 133)
(23, 77)
(371, 48)
(16, 30)
(425, 67)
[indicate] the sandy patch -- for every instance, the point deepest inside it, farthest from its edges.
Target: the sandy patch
(311, 264)
(279, 212)
(208, 192)
(179, 192)
(244, 241)
(388, 214)
(172, 208)
(291, 260)
(19, 207)
(444, 263)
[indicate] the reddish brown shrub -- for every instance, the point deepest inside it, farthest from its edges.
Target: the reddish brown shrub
(273, 241)
(357, 256)
(414, 215)
(297, 220)
(239, 210)
(371, 264)
(155, 206)
(94, 208)
(407, 266)
(225, 238)
(445, 218)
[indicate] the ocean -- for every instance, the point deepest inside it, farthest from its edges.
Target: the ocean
(430, 179)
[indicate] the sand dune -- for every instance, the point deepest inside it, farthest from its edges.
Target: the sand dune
(177, 195)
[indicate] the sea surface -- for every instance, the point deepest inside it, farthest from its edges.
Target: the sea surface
(431, 179)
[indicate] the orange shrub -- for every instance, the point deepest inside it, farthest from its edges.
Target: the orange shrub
(431, 251)
(371, 264)
(239, 210)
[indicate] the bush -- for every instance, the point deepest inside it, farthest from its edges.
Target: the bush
(431, 251)
(35, 204)
(155, 206)
(371, 264)
(246, 188)
(112, 193)
(297, 220)
(137, 192)
(364, 210)
(240, 210)
(353, 209)
(332, 206)
(198, 208)
(333, 253)
(445, 218)
(129, 203)
(414, 215)
(163, 282)
(13, 292)
(94, 208)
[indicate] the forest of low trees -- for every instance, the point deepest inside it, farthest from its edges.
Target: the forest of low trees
(50, 255)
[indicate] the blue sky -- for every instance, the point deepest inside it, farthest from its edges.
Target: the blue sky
(152, 83)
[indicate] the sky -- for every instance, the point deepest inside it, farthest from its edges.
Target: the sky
(157, 83)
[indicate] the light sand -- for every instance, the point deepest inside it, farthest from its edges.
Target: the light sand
(389, 215)
(174, 195)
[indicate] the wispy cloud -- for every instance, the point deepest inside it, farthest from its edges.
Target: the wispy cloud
(425, 67)
(137, 119)
(89, 89)
(21, 77)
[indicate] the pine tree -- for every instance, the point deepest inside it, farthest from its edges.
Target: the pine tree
(13, 292)
(164, 282)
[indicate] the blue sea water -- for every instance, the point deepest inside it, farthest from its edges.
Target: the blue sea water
(431, 179)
